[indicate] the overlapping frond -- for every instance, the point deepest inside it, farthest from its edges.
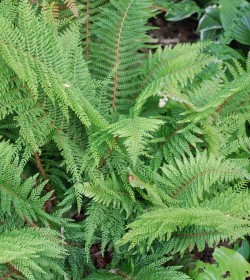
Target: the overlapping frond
(183, 228)
(168, 71)
(190, 179)
(32, 251)
(36, 56)
(156, 141)
(148, 268)
(136, 131)
(119, 48)
(24, 196)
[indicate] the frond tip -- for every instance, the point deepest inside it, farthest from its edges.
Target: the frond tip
(136, 131)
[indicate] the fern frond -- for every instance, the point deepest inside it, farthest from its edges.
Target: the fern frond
(189, 179)
(109, 221)
(91, 10)
(136, 131)
(39, 64)
(168, 71)
(171, 225)
(24, 196)
(31, 251)
(120, 45)
(153, 270)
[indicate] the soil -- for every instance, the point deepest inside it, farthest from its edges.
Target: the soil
(172, 33)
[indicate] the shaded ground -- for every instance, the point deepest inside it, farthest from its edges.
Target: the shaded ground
(172, 33)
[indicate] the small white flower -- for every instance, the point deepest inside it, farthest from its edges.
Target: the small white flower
(162, 102)
(66, 85)
(216, 60)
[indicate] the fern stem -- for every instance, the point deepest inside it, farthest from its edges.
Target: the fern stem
(223, 104)
(122, 274)
(49, 204)
(200, 174)
(13, 268)
(40, 167)
(30, 222)
(87, 31)
(171, 135)
(117, 56)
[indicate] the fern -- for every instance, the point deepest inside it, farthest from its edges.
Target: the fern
(135, 130)
(31, 251)
(142, 155)
(149, 268)
(119, 49)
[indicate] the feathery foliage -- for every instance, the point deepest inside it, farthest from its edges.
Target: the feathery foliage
(140, 154)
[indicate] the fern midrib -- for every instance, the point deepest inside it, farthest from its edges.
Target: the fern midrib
(87, 31)
(117, 56)
(15, 195)
(195, 234)
(200, 174)
(172, 135)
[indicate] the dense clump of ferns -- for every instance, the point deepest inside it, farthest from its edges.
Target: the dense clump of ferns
(151, 146)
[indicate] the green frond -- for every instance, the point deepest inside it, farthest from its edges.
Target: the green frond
(31, 251)
(119, 48)
(108, 193)
(94, 220)
(89, 13)
(24, 196)
(168, 71)
(110, 222)
(136, 131)
(225, 95)
(182, 228)
(74, 161)
(190, 179)
(146, 153)
(35, 54)
(182, 61)
(153, 270)
(9, 9)
(179, 139)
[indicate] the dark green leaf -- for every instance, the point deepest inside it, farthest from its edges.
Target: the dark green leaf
(182, 10)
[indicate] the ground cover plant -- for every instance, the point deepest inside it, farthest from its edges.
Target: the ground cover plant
(119, 158)
(218, 19)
